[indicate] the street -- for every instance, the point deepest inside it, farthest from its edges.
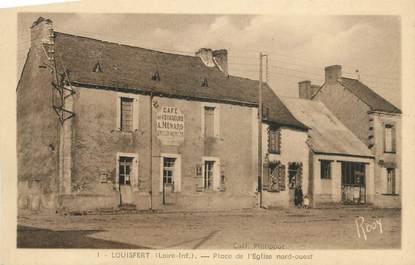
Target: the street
(344, 228)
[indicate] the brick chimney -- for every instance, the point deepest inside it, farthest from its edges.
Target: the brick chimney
(220, 58)
(333, 73)
(306, 90)
(206, 55)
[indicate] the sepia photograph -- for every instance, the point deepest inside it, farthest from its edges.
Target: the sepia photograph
(208, 131)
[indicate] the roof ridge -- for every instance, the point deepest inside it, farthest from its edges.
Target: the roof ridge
(371, 90)
(122, 44)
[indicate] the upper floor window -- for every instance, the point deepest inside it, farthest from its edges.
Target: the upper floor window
(127, 113)
(389, 138)
(274, 140)
(210, 123)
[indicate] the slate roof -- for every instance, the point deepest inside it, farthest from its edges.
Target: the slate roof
(327, 134)
(131, 68)
(367, 95)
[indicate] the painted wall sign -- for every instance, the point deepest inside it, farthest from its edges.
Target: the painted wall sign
(170, 123)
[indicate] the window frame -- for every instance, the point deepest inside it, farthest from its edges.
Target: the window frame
(216, 119)
(216, 178)
(274, 132)
(389, 126)
(324, 162)
(176, 175)
(134, 171)
(134, 113)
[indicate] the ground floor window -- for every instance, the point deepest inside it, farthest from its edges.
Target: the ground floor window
(208, 176)
(391, 181)
(124, 170)
(273, 176)
(168, 170)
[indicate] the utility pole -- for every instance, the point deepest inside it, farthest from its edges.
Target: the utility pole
(260, 166)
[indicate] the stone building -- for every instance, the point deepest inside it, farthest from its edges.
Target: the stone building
(374, 120)
(102, 125)
(341, 167)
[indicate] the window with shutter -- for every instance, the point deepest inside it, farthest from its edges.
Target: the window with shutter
(274, 135)
(281, 177)
(126, 119)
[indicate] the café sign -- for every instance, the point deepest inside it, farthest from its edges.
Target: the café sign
(170, 124)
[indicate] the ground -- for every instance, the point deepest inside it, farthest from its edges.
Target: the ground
(255, 228)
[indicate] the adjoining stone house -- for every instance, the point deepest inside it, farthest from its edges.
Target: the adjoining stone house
(341, 167)
(101, 124)
(374, 120)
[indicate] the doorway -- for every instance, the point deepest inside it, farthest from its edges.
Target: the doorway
(295, 170)
(125, 165)
(168, 179)
(353, 183)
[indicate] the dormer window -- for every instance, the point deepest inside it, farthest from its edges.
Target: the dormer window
(205, 83)
(97, 68)
(156, 76)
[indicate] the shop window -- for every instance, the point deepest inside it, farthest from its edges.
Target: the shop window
(353, 174)
(274, 140)
(389, 138)
(325, 169)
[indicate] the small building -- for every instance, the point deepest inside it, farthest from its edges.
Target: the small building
(374, 120)
(341, 167)
(103, 125)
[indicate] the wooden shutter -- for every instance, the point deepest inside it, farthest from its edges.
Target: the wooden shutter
(393, 138)
(118, 113)
(134, 175)
(281, 176)
(265, 176)
(135, 114)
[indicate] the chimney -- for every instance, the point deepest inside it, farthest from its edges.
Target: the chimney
(333, 73)
(206, 55)
(220, 58)
(304, 89)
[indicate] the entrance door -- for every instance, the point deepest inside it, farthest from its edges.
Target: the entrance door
(353, 183)
(124, 180)
(168, 180)
(294, 182)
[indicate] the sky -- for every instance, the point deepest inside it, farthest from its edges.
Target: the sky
(298, 47)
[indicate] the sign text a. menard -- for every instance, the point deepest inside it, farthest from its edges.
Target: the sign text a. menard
(170, 124)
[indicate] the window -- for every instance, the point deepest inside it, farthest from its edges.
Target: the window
(124, 170)
(170, 174)
(325, 169)
(274, 136)
(353, 174)
(391, 181)
(208, 176)
(126, 114)
(168, 170)
(209, 121)
(389, 138)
